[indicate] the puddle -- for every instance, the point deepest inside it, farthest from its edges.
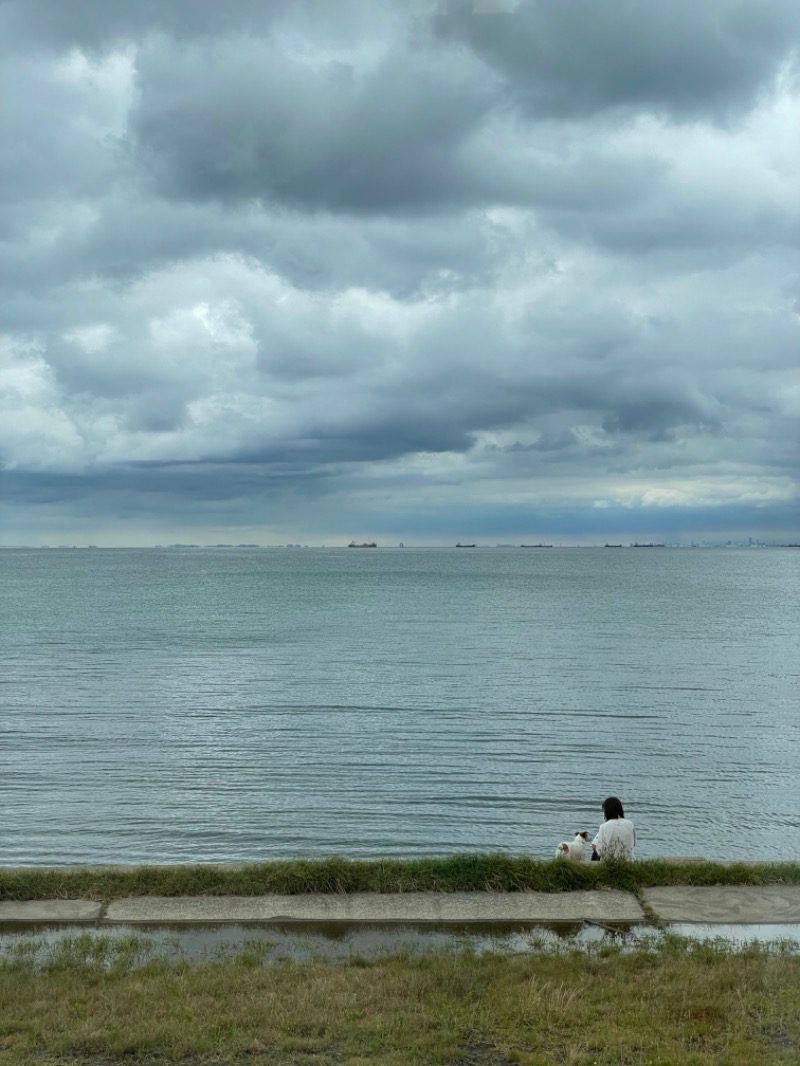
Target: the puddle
(303, 942)
(740, 934)
(265, 944)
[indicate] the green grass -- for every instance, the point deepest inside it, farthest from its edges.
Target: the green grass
(670, 1003)
(459, 873)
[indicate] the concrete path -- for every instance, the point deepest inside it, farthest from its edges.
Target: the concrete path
(726, 904)
(51, 910)
(378, 907)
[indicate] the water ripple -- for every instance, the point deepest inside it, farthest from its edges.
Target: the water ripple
(168, 706)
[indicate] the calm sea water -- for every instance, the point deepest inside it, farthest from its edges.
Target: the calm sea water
(215, 705)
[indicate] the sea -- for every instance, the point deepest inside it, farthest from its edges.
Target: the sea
(239, 704)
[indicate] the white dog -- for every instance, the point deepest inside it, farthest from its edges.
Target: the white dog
(575, 849)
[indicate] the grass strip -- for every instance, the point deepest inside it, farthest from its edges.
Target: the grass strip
(457, 873)
(670, 1003)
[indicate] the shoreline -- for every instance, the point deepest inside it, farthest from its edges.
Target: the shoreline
(464, 888)
(261, 989)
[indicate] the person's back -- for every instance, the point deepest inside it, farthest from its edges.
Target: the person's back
(616, 837)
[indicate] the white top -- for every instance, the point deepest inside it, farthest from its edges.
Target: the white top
(615, 839)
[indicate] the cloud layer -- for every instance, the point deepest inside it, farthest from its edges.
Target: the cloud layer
(314, 269)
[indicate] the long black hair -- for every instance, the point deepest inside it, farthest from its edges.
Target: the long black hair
(612, 808)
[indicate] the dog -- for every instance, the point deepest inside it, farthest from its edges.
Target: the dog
(575, 849)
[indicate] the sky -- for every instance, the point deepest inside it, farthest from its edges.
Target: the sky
(405, 270)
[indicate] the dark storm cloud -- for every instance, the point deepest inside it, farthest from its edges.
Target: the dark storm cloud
(687, 58)
(240, 119)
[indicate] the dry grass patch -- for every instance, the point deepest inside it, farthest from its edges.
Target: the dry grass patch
(670, 1005)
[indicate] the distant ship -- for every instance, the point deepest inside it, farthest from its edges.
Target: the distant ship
(353, 544)
(536, 545)
(465, 545)
(647, 545)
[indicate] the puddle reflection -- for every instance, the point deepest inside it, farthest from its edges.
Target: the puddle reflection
(273, 943)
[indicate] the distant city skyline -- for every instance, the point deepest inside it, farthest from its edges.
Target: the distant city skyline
(749, 543)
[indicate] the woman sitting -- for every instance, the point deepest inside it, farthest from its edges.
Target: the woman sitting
(616, 837)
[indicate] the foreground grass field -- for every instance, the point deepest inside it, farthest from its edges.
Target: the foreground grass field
(669, 1003)
(459, 873)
